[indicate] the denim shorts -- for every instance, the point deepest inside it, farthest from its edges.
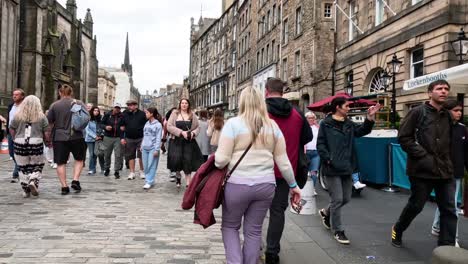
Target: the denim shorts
(314, 160)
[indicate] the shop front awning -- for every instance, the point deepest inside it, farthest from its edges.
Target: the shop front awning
(455, 76)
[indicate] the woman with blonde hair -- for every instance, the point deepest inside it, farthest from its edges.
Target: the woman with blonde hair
(28, 128)
(214, 129)
(250, 189)
(184, 153)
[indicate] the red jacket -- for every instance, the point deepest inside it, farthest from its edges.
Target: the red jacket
(204, 192)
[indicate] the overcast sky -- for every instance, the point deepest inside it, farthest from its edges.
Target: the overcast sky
(159, 32)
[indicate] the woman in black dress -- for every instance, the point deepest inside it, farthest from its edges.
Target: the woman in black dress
(184, 153)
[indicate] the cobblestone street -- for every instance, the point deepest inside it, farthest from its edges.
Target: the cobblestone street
(116, 221)
(110, 221)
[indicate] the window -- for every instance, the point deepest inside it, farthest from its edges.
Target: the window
(285, 31)
(258, 60)
(297, 60)
(234, 32)
(233, 63)
(327, 10)
(417, 63)
(298, 21)
(279, 15)
(352, 15)
(267, 57)
(379, 11)
(284, 70)
(268, 20)
(273, 51)
(262, 63)
(349, 82)
(275, 14)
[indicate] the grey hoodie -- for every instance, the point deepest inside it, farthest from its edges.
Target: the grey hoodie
(152, 134)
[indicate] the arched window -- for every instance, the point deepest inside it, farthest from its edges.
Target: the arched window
(376, 84)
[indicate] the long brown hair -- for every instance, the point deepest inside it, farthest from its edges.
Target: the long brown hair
(189, 110)
(218, 119)
(155, 113)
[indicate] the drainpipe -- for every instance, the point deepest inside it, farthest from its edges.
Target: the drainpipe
(281, 42)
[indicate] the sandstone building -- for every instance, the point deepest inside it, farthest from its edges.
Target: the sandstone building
(418, 32)
(106, 90)
(291, 40)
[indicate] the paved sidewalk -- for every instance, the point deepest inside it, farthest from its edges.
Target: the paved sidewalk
(116, 221)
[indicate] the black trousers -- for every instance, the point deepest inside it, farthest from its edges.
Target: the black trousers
(420, 192)
(276, 222)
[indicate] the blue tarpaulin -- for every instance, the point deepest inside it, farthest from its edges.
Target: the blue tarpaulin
(400, 178)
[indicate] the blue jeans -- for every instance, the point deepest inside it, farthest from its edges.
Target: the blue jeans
(436, 223)
(11, 152)
(314, 163)
(150, 164)
(355, 177)
(93, 157)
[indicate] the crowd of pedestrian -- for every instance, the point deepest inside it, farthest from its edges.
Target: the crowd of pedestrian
(264, 145)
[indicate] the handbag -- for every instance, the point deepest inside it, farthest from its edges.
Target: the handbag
(226, 177)
(99, 148)
(302, 169)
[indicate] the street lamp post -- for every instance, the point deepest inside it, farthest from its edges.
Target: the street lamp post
(394, 67)
(460, 46)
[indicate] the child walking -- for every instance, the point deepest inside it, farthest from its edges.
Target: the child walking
(151, 145)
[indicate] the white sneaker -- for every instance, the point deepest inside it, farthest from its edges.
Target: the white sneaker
(456, 244)
(142, 175)
(314, 193)
(146, 186)
(358, 185)
(54, 166)
(26, 194)
(131, 176)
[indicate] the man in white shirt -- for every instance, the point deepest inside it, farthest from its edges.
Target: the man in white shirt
(18, 97)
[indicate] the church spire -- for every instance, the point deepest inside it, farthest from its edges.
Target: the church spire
(127, 67)
(127, 53)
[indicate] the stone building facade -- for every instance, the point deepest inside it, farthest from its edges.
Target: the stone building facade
(48, 45)
(169, 97)
(419, 32)
(43, 44)
(9, 34)
(213, 52)
(106, 90)
(292, 40)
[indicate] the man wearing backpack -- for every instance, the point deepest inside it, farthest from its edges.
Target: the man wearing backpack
(425, 135)
(67, 136)
(297, 133)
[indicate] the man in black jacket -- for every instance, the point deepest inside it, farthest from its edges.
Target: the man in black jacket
(134, 121)
(112, 124)
(18, 97)
(297, 133)
(335, 145)
(425, 135)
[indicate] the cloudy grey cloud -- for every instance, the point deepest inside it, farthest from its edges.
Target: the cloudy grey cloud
(159, 32)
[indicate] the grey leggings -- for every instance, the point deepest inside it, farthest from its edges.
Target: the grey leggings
(339, 189)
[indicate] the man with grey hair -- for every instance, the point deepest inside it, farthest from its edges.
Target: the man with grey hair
(18, 97)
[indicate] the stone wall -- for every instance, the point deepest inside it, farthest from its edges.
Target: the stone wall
(9, 33)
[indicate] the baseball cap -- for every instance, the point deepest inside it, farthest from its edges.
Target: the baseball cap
(117, 105)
